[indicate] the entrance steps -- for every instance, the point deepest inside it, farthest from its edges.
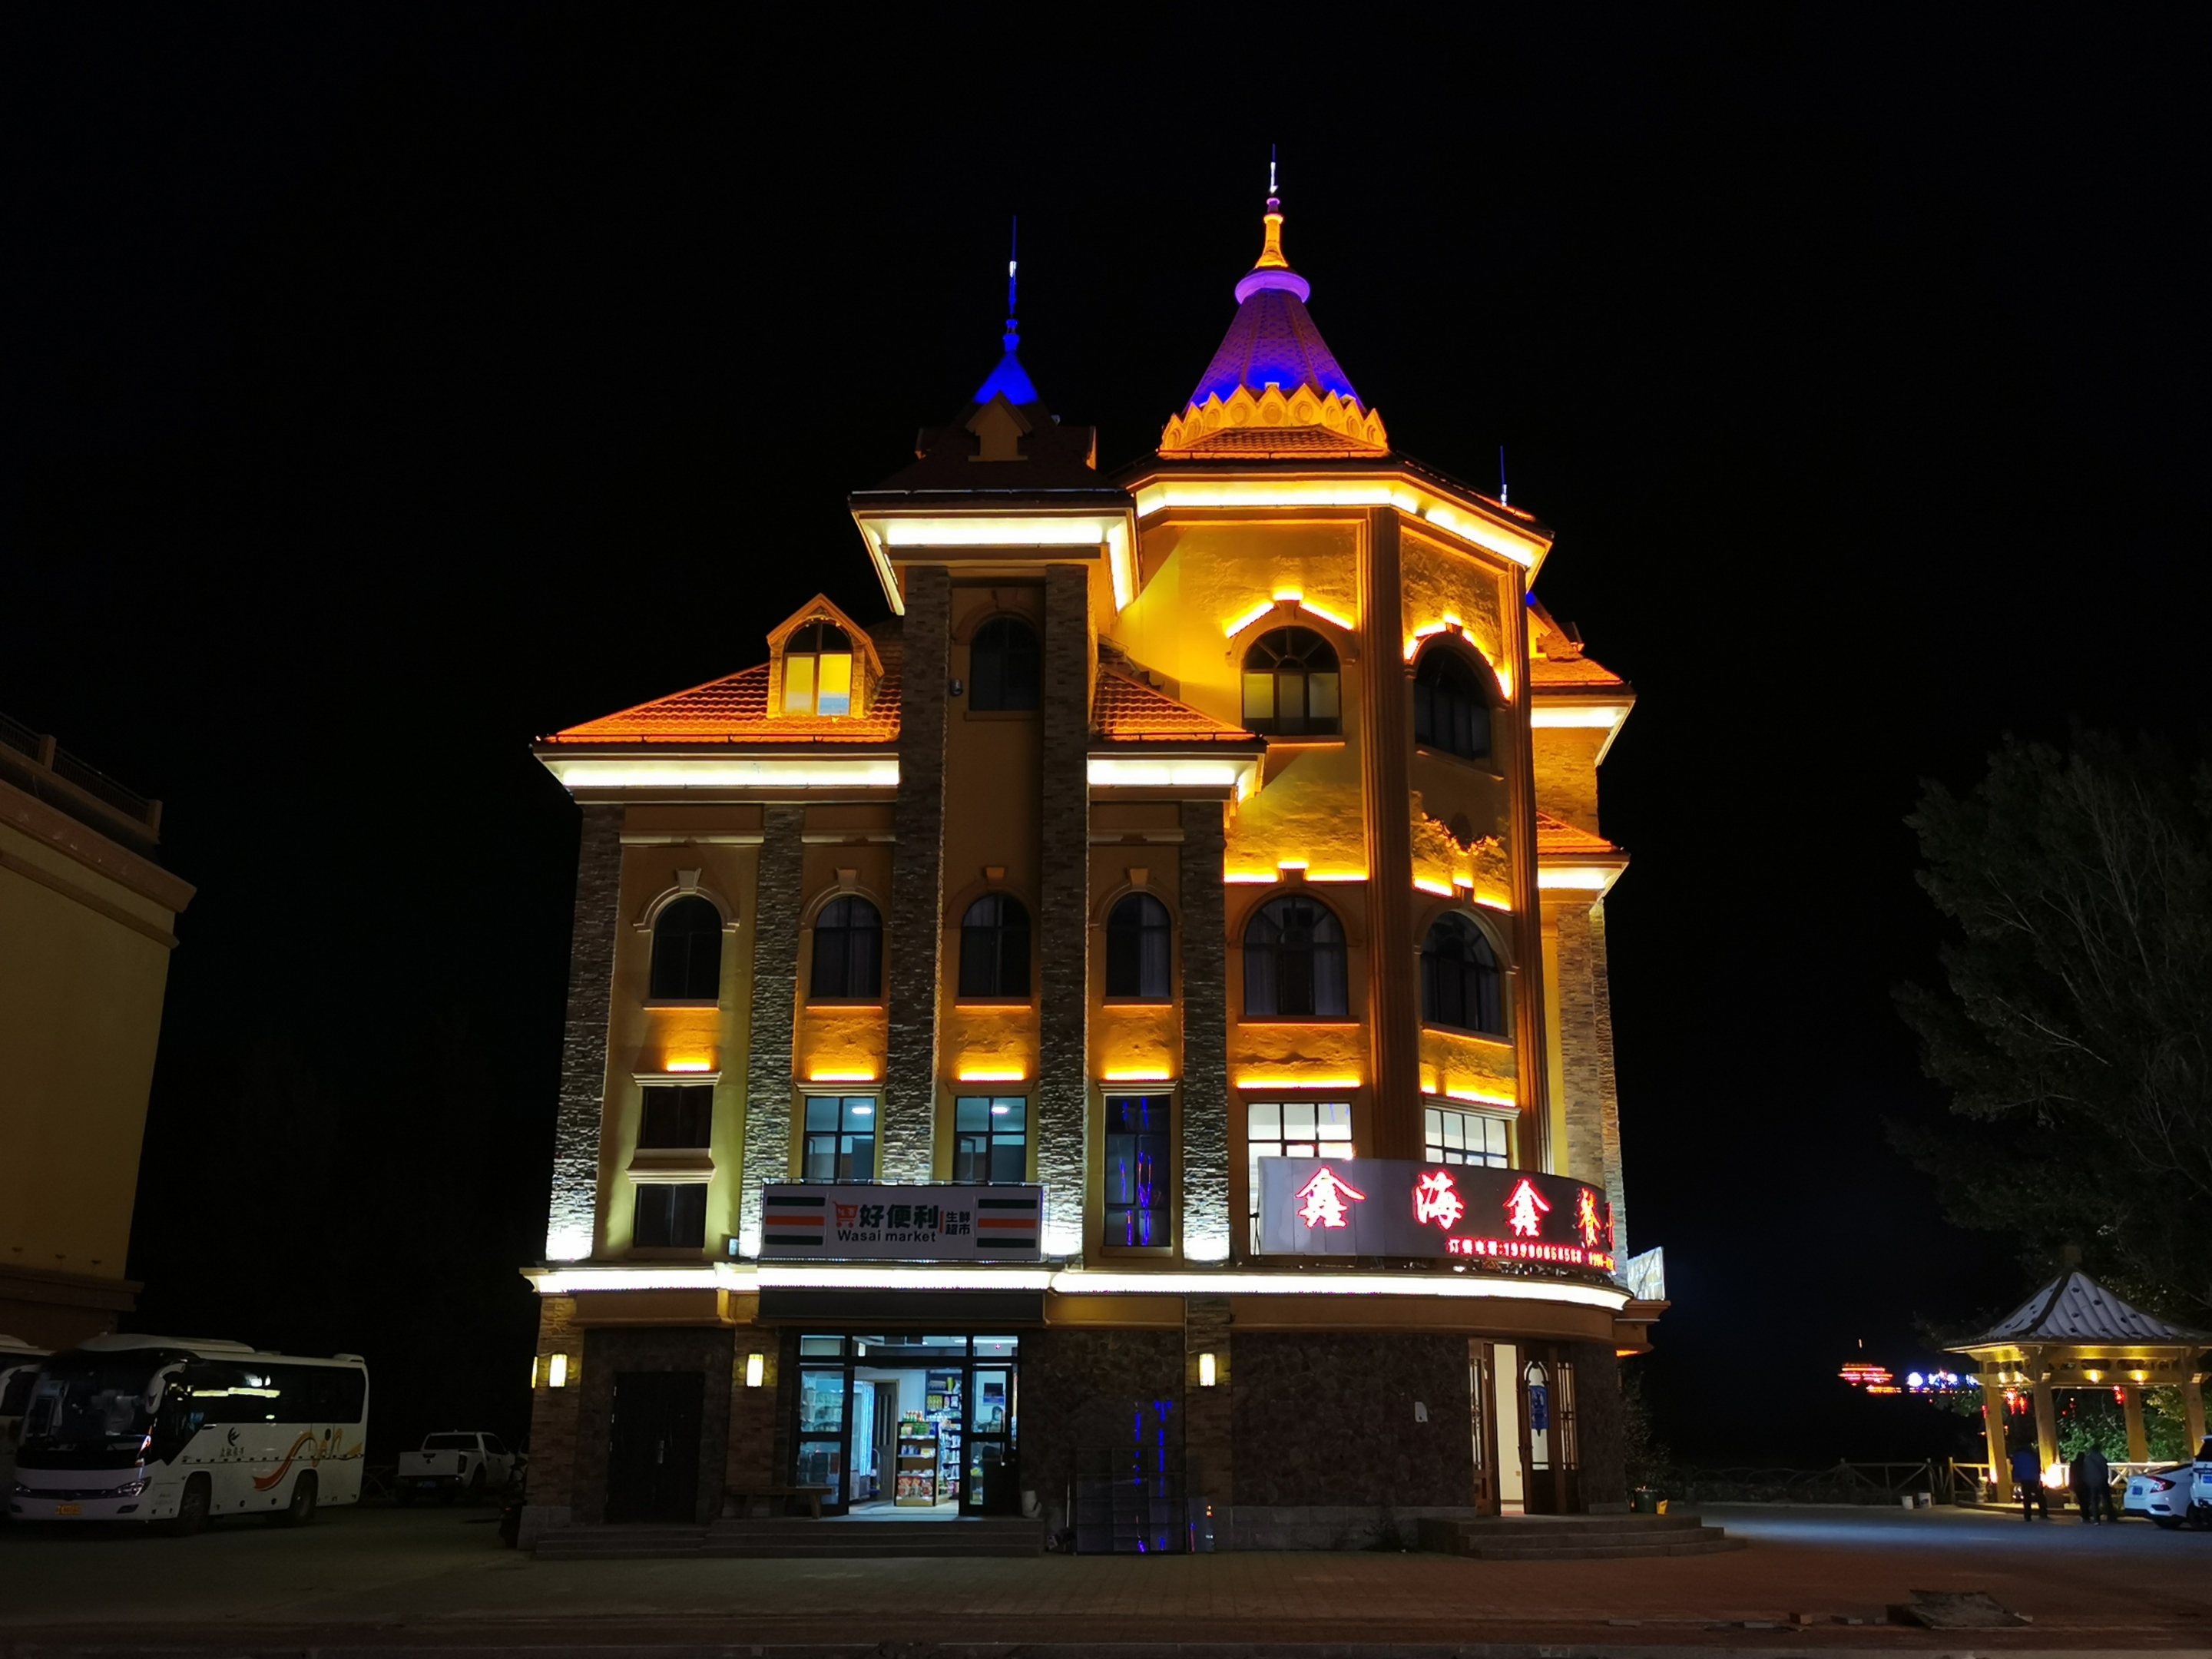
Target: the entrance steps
(793, 1537)
(1575, 1537)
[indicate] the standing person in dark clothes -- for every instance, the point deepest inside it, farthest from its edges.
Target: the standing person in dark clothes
(2027, 1480)
(2090, 1477)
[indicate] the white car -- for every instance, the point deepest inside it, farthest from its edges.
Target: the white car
(2173, 1497)
(455, 1463)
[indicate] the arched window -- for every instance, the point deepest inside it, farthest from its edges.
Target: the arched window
(994, 948)
(1292, 685)
(1294, 959)
(1003, 666)
(1138, 934)
(687, 951)
(848, 952)
(1450, 712)
(1460, 983)
(818, 670)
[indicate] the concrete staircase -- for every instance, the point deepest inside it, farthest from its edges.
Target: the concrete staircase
(781, 1536)
(1575, 1537)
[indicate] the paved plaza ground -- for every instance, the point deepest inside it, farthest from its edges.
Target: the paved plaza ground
(437, 1577)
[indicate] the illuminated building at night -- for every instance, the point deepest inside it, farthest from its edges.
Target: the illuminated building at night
(1125, 1038)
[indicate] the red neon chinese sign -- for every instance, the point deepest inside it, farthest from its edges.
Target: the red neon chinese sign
(1434, 1200)
(1525, 1209)
(1323, 1199)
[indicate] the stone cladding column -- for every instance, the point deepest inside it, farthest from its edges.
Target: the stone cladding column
(1063, 930)
(778, 900)
(1600, 1428)
(917, 918)
(1608, 1084)
(1205, 1127)
(751, 1459)
(553, 1416)
(1209, 1423)
(571, 1219)
(1386, 751)
(1532, 1082)
(1583, 1155)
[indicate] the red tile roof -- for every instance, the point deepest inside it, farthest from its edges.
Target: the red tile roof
(735, 709)
(1122, 710)
(1556, 836)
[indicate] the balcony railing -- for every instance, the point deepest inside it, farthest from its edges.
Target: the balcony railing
(35, 762)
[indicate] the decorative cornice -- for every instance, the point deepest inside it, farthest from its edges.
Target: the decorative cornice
(1359, 431)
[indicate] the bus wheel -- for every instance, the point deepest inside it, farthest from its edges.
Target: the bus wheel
(301, 1509)
(192, 1508)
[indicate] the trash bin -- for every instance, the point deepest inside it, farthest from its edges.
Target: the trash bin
(1646, 1501)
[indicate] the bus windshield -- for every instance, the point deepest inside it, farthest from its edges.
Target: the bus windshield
(86, 1398)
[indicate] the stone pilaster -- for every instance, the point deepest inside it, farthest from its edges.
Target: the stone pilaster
(1532, 1081)
(1206, 1131)
(776, 906)
(548, 1487)
(1063, 1092)
(1583, 1155)
(1608, 1083)
(571, 1215)
(1600, 1428)
(1386, 750)
(917, 918)
(1209, 1422)
(751, 1459)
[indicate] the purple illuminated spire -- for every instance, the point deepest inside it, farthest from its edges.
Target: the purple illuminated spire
(1273, 341)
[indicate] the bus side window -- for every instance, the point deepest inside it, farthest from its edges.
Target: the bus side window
(220, 1393)
(335, 1393)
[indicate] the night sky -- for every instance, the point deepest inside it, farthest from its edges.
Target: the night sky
(386, 388)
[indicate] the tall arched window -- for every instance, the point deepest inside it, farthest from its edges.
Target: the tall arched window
(1138, 949)
(1292, 685)
(1003, 666)
(1294, 959)
(1450, 712)
(994, 948)
(1462, 985)
(818, 670)
(687, 951)
(848, 952)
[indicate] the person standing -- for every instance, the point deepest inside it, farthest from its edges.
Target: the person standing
(2028, 1481)
(2090, 1477)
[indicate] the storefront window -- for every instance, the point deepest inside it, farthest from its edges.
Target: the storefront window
(1474, 1138)
(1137, 1170)
(908, 1425)
(1291, 1128)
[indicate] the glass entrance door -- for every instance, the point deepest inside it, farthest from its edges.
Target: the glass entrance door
(900, 1426)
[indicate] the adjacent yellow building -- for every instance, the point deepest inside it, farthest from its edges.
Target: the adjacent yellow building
(87, 914)
(1121, 1044)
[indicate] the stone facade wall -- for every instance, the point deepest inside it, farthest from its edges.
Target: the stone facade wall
(753, 1411)
(553, 1411)
(1600, 1426)
(1209, 1423)
(1326, 1419)
(1206, 1224)
(1608, 1083)
(917, 918)
(1580, 1084)
(572, 1216)
(1063, 1088)
(779, 897)
(1082, 1389)
(607, 1354)
(1385, 755)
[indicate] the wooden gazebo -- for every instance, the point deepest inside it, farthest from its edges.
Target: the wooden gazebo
(2075, 1334)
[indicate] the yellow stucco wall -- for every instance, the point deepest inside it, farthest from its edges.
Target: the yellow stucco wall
(80, 1017)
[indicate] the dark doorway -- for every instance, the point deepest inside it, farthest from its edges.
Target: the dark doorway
(652, 1451)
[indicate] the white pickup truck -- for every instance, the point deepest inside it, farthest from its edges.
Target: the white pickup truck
(456, 1464)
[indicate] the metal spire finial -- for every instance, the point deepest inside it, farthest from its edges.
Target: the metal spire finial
(1013, 263)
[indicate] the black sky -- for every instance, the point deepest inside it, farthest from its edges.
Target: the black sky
(386, 387)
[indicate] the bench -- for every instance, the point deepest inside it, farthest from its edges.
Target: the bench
(743, 1495)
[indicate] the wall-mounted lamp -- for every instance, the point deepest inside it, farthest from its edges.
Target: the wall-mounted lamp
(1206, 1371)
(755, 1369)
(557, 1376)
(533, 1370)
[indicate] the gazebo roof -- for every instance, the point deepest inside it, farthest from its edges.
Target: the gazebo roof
(2075, 1308)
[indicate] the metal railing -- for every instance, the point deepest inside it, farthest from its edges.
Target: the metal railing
(82, 784)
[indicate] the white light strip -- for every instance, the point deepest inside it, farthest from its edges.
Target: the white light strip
(1598, 716)
(826, 1276)
(1523, 551)
(1169, 772)
(1584, 878)
(998, 532)
(668, 771)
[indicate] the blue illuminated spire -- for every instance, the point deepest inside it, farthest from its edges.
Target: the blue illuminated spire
(1010, 377)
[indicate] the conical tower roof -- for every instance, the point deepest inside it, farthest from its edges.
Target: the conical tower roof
(1274, 387)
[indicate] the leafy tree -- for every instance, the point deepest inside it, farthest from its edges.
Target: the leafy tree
(2076, 1033)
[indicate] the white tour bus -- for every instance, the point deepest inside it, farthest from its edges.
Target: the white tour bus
(179, 1429)
(19, 1368)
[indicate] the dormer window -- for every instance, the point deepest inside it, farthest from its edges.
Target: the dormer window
(818, 670)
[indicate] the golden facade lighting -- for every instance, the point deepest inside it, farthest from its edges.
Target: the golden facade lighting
(841, 1077)
(993, 1077)
(1263, 1081)
(1138, 1077)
